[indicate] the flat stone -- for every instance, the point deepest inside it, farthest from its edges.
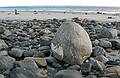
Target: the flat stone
(91, 76)
(3, 53)
(40, 62)
(115, 69)
(68, 74)
(74, 67)
(105, 44)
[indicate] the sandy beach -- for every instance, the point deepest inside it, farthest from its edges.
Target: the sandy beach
(42, 15)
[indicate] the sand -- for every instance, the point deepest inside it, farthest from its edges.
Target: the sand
(29, 15)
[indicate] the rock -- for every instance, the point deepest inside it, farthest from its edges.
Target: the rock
(95, 43)
(44, 48)
(16, 52)
(86, 67)
(56, 65)
(51, 71)
(45, 31)
(91, 76)
(115, 69)
(101, 58)
(51, 60)
(27, 68)
(3, 45)
(1, 76)
(105, 44)
(74, 67)
(1, 30)
(44, 41)
(98, 66)
(115, 43)
(29, 53)
(71, 44)
(108, 33)
(68, 74)
(40, 62)
(7, 32)
(3, 53)
(112, 62)
(6, 63)
(98, 51)
(111, 75)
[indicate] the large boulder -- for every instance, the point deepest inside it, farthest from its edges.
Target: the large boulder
(71, 44)
(68, 74)
(27, 68)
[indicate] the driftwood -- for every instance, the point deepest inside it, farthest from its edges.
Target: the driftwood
(71, 44)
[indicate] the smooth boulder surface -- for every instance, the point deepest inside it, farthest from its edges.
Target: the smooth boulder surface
(71, 44)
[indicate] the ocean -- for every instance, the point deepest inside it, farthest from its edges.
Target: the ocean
(63, 8)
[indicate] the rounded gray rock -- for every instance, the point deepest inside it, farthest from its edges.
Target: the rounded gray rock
(1, 76)
(6, 63)
(16, 52)
(108, 33)
(71, 44)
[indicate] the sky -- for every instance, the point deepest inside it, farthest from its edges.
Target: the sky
(60, 2)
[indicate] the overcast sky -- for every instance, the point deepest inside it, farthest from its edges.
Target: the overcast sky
(60, 2)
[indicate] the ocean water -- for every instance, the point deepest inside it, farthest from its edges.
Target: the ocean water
(63, 8)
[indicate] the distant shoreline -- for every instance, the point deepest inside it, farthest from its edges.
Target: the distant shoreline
(76, 12)
(44, 15)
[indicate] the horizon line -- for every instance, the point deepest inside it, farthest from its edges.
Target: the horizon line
(59, 6)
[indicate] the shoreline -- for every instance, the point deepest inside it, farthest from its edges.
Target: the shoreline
(43, 15)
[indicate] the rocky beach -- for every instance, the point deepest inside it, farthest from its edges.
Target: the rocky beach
(74, 47)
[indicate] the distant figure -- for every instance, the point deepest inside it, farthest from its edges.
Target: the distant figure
(35, 12)
(16, 12)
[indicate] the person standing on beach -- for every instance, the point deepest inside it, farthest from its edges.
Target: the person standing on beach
(15, 12)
